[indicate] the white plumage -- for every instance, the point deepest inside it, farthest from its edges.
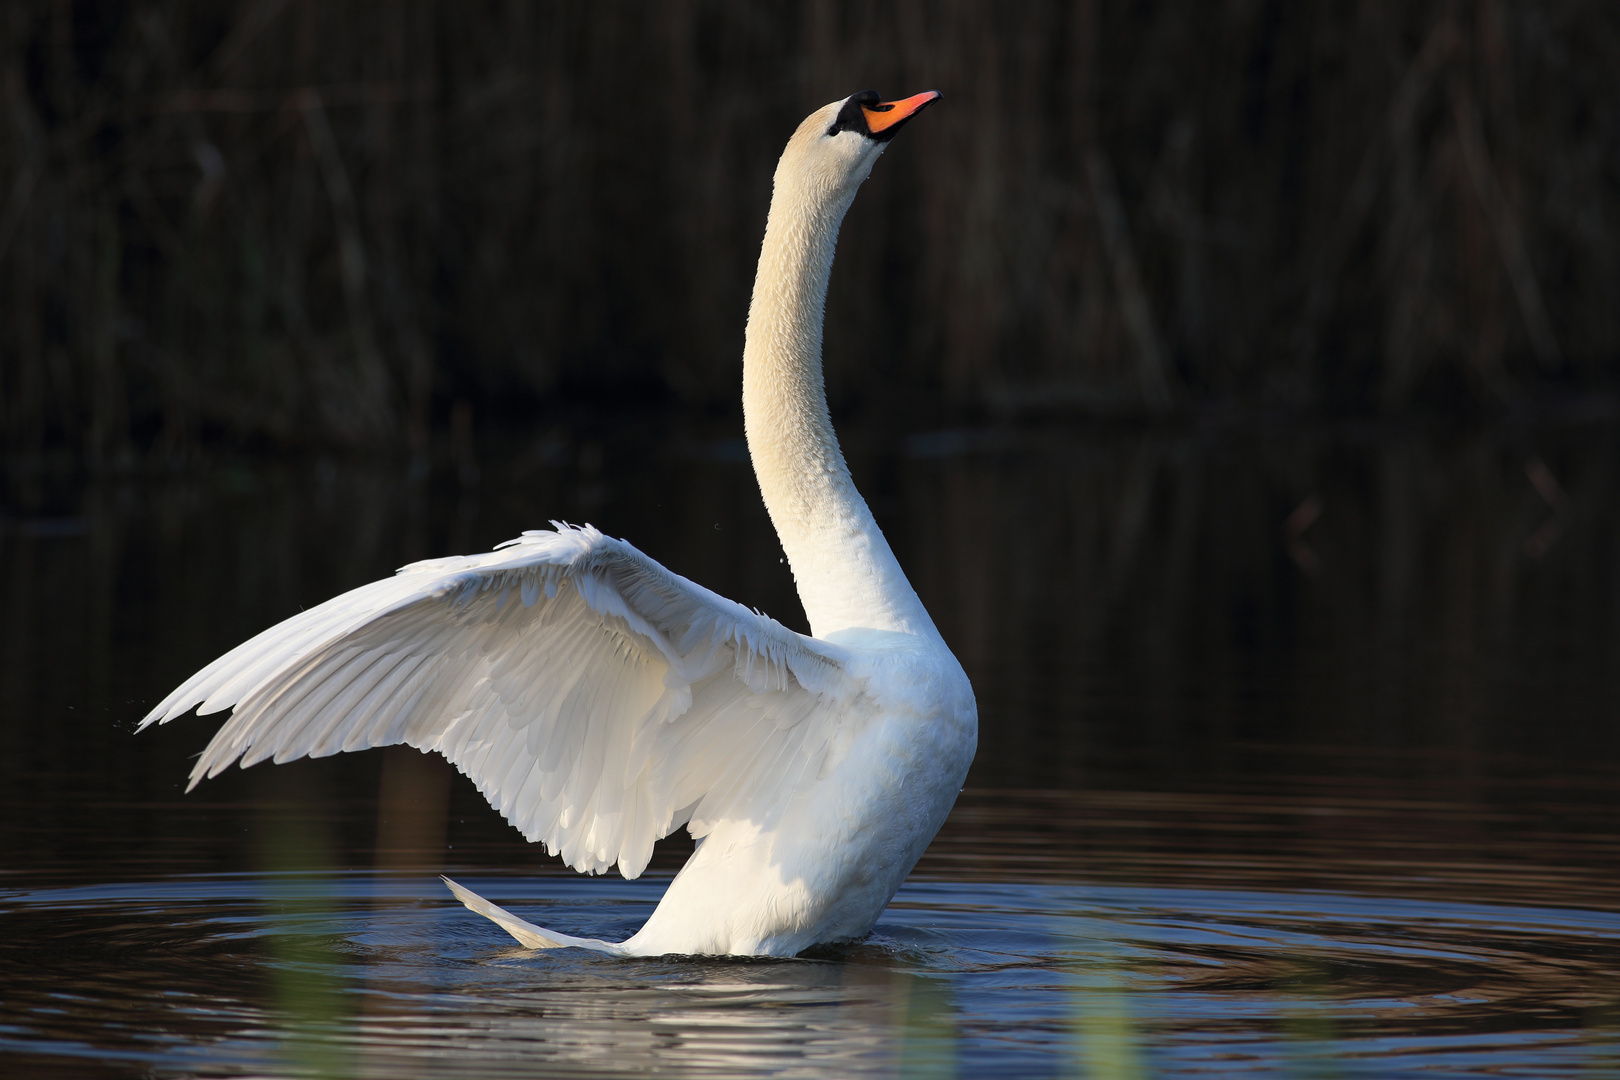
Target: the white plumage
(600, 702)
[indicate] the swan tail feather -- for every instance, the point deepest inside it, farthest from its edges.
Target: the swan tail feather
(527, 934)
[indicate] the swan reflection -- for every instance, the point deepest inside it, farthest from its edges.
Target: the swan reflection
(851, 1016)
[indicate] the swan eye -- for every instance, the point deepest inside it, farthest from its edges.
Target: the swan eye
(852, 117)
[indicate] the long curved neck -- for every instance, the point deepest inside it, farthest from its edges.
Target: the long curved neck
(846, 574)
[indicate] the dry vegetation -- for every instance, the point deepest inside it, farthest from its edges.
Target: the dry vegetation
(283, 222)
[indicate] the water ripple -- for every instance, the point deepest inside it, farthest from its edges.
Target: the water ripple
(380, 975)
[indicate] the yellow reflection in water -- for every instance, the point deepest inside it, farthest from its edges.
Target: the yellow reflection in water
(926, 1034)
(307, 1003)
(1107, 1044)
(1310, 1030)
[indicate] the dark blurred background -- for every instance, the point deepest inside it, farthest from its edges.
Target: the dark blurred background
(1236, 380)
(273, 224)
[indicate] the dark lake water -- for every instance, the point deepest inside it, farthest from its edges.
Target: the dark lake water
(1300, 756)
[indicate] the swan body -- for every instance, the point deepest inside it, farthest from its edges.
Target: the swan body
(600, 701)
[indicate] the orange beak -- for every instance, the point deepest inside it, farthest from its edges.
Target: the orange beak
(887, 114)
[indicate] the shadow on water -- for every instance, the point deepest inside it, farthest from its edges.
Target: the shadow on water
(1299, 758)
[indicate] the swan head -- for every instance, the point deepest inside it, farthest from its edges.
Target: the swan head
(835, 147)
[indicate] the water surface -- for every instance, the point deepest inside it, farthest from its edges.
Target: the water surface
(1300, 755)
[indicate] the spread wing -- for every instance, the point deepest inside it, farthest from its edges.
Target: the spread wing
(597, 700)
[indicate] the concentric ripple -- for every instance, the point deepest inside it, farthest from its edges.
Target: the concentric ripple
(375, 975)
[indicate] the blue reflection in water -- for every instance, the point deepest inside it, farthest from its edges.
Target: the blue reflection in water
(381, 975)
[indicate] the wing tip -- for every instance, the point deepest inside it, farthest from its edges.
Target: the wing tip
(526, 933)
(170, 708)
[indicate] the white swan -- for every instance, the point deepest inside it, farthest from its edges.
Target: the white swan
(600, 701)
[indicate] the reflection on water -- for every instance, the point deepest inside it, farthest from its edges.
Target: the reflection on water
(1300, 754)
(386, 977)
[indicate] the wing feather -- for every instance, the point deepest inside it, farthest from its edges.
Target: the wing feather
(597, 700)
